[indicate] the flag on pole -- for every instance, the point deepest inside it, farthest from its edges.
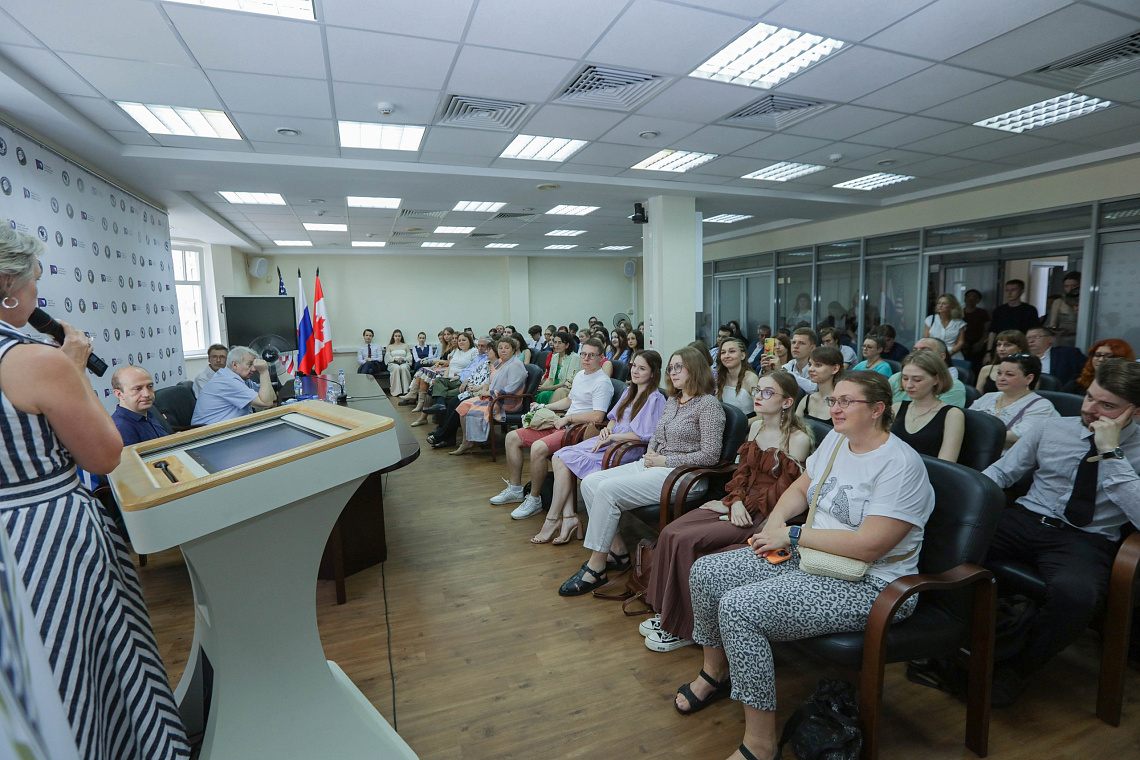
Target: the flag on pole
(305, 350)
(322, 332)
(286, 359)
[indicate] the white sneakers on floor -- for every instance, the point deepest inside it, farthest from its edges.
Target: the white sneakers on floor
(659, 640)
(530, 506)
(508, 495)
(652, 625)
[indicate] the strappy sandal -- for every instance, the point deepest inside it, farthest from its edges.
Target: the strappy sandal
(578, 585)
(721, 689)
(748, 755)
(538, 536)
(618, 562)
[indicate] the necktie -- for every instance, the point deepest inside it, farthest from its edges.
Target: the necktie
(369, 350)
(1079, 510)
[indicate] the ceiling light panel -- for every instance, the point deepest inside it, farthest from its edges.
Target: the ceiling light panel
(293, 243)
(454, 230)
(491, 206)
(1051, 111)
(559, 247)
(364, 201)
(565, 233)
(727, 218)
(874, 181)
(176, 120)
(674, 161)
(766, 55)
(573, 210)
(615, 247)
(368, 244)
(302, 9)
(323, 227)
(537, 148)
(253, 199)
(501, 245)
(784, 171)
(359, 134)
(431, 244)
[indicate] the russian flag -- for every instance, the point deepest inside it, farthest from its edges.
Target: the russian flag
(306, 352)
(322, 332)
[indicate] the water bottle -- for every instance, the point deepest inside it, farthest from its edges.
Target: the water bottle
(331, 392)
(343, 387)
(298, 387)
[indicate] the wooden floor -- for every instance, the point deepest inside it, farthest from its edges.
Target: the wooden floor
(491, 663)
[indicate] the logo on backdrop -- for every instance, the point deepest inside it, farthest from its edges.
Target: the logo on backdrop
(67, 305)
(79, 185)
(21, 157)
(78, 274)
(3, 147)
(70, 212)
(66, 178)
(59, 238)
(105, 225)
(55, 205)
(6, 185)
(82, 306)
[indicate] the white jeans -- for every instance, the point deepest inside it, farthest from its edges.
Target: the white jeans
(608, 493)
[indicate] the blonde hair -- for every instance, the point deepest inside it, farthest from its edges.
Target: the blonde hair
(700, 382)
(955, 307)
(932, 364)
(18, 254)
(791, 421)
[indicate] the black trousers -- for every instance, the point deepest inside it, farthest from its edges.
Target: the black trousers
(373, 367)
(1075, 566)
(450, 420)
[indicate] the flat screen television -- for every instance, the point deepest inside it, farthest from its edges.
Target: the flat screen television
(261, 322)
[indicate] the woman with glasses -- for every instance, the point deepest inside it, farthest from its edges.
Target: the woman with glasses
(1007, 342)
(873, 347)
(690, 432)
(1101, 351)
(508, 375)
(1014, 401)
(873, 499)
(931, 426)
(734, 377)
(560, 367)
(770, 460)
(825, 369)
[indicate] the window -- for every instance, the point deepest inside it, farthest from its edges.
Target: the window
(191, 299)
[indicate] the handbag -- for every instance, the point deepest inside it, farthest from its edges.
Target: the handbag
(816, 562)
(631, 588)
(826, 726)
(542, 419)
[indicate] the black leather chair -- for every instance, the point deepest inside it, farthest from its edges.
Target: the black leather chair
(621, 370)
(972, 394)
(188, 384)
(176, 402)
(1049, 382)
(982, 440)
(819, 430)
(896, 367)
(518, 401)
(966, 375)
(538, 359)
(955, 609)
(1066, 404)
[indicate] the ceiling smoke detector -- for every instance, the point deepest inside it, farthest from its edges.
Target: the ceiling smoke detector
(288, 131)
(316, 200)
(649, 134)
(385, 108)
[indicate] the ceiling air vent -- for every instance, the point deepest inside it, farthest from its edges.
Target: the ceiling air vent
(1121, 56)
(407, 235)
(610, 88)
(487, 235)
(402, 244)
(776, 112)
(483, 113)
(517, 216)
(413, 213)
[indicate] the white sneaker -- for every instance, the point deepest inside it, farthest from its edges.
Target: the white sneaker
(508, 495)
(652, 625)
(530, 506)
(663, 641)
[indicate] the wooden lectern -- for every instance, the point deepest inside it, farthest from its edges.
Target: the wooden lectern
(251, 502)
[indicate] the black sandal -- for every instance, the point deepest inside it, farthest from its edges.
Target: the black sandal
(747, 753)
(721, 689)
(619, 562)
(578, 585)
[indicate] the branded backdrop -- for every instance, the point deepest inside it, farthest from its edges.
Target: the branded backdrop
(107, 268)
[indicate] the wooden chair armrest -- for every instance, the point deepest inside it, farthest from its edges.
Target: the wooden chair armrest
(500, 400)
(575, 433)
(1117, 629)
(615, 453)
(1125, 568)
(685, 485)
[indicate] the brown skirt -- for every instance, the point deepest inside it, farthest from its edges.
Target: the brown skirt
(683, 542)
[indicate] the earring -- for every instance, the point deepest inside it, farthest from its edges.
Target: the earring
(783, 415)
(6, 305)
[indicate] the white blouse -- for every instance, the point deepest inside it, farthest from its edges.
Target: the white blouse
(1029, 412)
(948, 334)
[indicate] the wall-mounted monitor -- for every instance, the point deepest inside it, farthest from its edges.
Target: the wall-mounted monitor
(261, 322)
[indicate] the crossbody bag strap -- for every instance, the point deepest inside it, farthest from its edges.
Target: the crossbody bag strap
(1024, 409)
(823, 478)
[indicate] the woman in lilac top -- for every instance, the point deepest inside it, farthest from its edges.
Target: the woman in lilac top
(633, 418)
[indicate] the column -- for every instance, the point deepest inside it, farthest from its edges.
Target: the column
(672, 255)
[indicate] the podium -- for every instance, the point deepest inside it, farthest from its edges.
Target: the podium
(251, 502)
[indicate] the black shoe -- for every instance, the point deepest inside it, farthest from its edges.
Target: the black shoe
(1008, 686)
(406, 402)
(437, 407)
(578, 585)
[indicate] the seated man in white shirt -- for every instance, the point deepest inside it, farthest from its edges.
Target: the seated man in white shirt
(830, 337)
(804, 341)
(216, 358)
(230, 392)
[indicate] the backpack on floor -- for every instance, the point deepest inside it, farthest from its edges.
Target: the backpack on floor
(826, 726)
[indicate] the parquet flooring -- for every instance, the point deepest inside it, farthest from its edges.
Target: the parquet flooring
(491, 663)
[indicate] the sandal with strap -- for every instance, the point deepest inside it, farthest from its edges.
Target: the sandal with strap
(721, 689)
(538, 539)
(578, 585)
(747, 754)
(619, 562)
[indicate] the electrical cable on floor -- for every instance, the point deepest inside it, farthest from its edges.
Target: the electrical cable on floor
(388, 625)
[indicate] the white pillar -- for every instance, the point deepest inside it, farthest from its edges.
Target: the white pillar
(672, 252)
(518, 288)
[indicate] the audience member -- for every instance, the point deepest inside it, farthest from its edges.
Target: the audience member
(873, 347)
(1062, 319)
(927, 423)
(1008, 342)
(635, 341)
(770, 460)
(369, 358)
(618, 348)
(756, 347)
(230, 392)
(508, 376)
(734, 327)
(710, 355)
(892, 350)
(561, 365)
(421, 352)
(690, 432)
(215, 360)
(572, 328)
(1013, 315)
(1062, 362)
(782, 350)
(1101, 351)
(135, 417)
(803, 342)
(734, 377)
(535, 343)
(977, 322)
(445, 371)
(398, 357)
(829, 336)
(825, 368)
(547, 335)
(723, 333)
(427, 370)
(955, 396)
(947, 325)
(801, 313)
(1014, 402)
(473, 380)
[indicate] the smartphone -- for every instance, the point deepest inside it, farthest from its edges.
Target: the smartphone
(778, 556)
(769, 345)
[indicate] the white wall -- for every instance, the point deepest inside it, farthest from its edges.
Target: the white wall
(573, 290)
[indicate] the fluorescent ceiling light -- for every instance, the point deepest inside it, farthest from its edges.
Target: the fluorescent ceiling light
(501, 245)
(322, 227)
(873, 181)
(615, 247)
(784, 171)
(565, 233)
(573, 210)
(559, 247)
(293, 243)
(365, 201)
(368, 244)
(256, 199)
(436, 245)
(766, 55)
(359, 134)
(177, 120)
(542, 148)
(478, 206)
(674, 161)
(302, 9)
(454, 230)
(727, 218)
(1061, 108)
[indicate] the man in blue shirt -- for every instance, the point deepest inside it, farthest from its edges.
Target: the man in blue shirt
(135, 417)
(230, 392)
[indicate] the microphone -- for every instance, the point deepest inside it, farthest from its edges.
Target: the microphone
(44, 323)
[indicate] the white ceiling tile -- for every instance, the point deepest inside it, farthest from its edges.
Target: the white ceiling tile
(948, 27)
(1128, 7)
(1126, 136)
(601, 171)
(699, 100)
(1123, 89)
(132, 138)
(928, 88)
(439, 19)
(488, 73)
(141, 82)
(203, 143)
(107, 115)
(659, 38)
(357, 102)
(841, 19)
(378, 155)
(264, 129)
(938, 165)
(374, 58)
(998, 98)
(718, 139)
(1000, 150)
(700, 179)
(729, 166)
(569, 121)
(1083, 127)
(782, 147)
(849, 151)
(669, 131)
(11, 33)
(550, 27)
(842, 122)
(250, 42)
(122, 28)
(903, 159)
(1055, 152)
(906, 130)
(958, 139)
(605, 154)
(281, 96)
(852, 73)
(48, 69)
(473, 142)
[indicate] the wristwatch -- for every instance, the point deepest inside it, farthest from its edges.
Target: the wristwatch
(1117, 453)
(794, 534)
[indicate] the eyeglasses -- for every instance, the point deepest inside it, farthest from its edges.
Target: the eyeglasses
(766, 393)
(589, 356)
(1104, 356)
(1007, 357)
(845, 402)
(674, 368)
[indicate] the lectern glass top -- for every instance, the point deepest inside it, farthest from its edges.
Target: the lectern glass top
(255, 444)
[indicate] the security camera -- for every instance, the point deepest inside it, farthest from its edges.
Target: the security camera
(639, 216)
(385, 109)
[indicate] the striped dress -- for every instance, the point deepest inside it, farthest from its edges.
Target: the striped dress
(86, 598)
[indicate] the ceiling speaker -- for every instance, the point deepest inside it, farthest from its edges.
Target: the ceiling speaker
(630, 268)
(258, 267)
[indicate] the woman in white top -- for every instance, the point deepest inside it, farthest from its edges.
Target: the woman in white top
(398, 357)
(463, 352)
(734, 376)
(1014, 402)
(947, 325)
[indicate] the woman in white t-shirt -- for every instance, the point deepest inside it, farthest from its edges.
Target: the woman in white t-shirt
(947, 325)
(874, 501)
